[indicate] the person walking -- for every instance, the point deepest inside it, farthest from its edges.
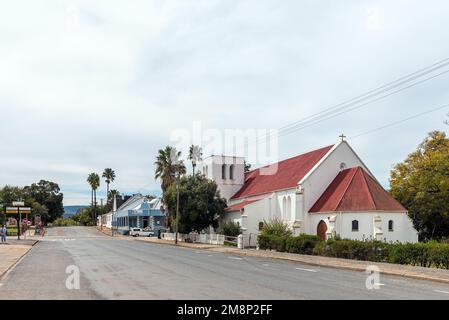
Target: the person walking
(3, 233)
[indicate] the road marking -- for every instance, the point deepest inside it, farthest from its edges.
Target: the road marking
(1, 284)
(379, 284)
(235, 258)
(266, 265)
(308, 270)
(211, 255)
(441, 291)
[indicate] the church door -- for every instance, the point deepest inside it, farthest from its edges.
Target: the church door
(321, 230)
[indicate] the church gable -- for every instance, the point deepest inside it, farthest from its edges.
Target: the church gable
(354, 190)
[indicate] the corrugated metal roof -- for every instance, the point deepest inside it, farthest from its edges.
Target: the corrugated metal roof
(354, 190)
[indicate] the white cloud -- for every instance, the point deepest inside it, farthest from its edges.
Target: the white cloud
(86, 85)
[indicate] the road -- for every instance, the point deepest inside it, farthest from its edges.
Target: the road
(113, 268)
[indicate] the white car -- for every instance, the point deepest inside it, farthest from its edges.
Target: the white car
(138, 232)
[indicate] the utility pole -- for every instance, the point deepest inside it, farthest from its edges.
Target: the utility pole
(177, 211)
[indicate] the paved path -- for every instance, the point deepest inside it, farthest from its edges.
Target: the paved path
(117, 268)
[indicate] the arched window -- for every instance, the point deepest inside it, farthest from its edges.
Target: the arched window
(391, 226)
(223, 172)
(260, 226)
(289, 207)
(231, 172)
(355, 225)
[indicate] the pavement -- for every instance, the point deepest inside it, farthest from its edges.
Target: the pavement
(11, 252)
(121, 268)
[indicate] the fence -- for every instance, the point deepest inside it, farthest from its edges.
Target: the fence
(216, 239)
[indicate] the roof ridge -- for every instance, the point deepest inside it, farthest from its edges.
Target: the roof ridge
(290, 158)
(347, 187)
(370, 192)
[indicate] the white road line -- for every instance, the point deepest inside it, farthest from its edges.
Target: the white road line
(441, 291)
(235, 258)
(266, 265)
(1, 284)
(379, 284)
(308, 270)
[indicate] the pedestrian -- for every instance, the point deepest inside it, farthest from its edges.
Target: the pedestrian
(3, 233)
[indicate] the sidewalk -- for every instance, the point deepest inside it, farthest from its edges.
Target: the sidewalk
(432, 274)
(12, 252)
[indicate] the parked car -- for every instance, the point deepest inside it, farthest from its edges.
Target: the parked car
(138, 232)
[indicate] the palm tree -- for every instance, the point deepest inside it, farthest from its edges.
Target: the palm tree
(109, 176)
(168, 166)
(94, 181)
(195, 155)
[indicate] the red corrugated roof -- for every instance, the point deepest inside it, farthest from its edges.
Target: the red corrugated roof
(240, 206)
(287, 175)
(355, 190)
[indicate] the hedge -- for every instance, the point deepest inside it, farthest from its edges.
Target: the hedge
(430, 254)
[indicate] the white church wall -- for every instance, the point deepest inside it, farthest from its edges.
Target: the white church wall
(403, 228)
(317, 182)
(212, 169)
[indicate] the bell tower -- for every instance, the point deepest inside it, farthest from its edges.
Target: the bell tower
(228, 172)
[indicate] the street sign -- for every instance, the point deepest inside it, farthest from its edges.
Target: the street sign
(12, 210)
(25, 210)
(18, 203)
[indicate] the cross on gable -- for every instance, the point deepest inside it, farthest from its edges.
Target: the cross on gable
(343, 137)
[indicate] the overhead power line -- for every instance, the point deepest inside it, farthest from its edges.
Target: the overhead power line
(398, 122)
(361, 100)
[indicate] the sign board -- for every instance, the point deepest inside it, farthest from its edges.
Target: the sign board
(18, 203)
(13, 210)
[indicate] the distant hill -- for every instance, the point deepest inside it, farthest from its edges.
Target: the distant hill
(71, 210)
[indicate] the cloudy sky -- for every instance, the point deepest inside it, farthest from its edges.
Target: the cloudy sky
(86, 85)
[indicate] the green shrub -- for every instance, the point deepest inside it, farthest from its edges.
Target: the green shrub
(430, 254)
(275, 227)
(303, 244)
(230, 229)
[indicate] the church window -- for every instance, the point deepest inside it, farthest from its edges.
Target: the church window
(355, 225)
(342, 166)
(223, 171)
(231, 172)
(391, 226)
(260, 226)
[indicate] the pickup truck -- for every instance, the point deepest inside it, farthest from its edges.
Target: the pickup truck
(138, 232)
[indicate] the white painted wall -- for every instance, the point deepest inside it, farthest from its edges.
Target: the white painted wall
(403, 230)
(212, 169)
(317, 181)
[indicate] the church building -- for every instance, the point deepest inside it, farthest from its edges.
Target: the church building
(325, 192)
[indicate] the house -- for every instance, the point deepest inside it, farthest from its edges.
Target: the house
(325, 192)
(136, 212)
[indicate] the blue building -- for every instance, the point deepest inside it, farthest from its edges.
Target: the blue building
(139, 212)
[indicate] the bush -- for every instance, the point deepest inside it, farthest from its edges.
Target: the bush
(430, 254)
(64, 222)
(230, 229)
(276, 227)
(303, 244)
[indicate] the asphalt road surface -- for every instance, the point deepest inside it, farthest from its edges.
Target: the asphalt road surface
(112, 268)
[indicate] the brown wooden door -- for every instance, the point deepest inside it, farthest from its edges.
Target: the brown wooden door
(321, 230)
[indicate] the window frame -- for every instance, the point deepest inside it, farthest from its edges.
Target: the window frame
(357, 226)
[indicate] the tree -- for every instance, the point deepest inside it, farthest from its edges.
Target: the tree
(421, 184)
(200, 203)
(195, 156)
(109, 176)
(94, 181)
(48, 195)
(230, 229)
(168, 166)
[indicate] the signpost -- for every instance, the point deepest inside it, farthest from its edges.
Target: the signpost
(18, 208)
